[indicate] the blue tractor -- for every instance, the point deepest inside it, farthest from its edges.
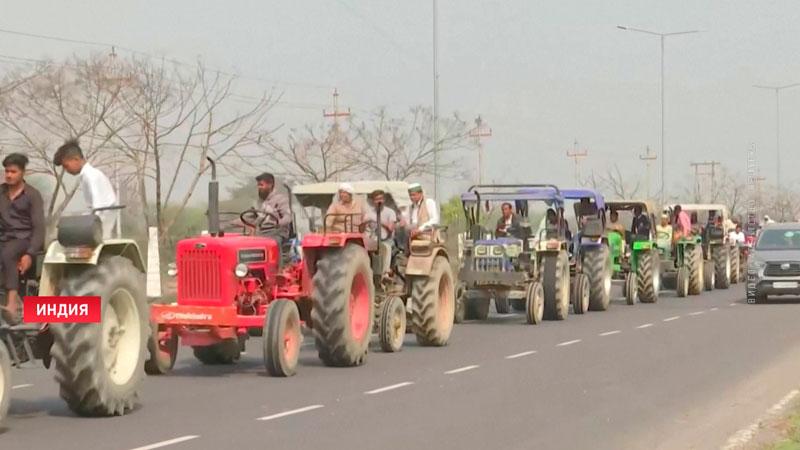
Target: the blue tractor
(511, 262)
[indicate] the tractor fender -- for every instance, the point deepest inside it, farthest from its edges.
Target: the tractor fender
(422, 264)
(58, 257)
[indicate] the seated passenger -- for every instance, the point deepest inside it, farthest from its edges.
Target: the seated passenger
(614, 223)
(22, 230)
(346, 214)
(423, 214)
(641, 223)
(664, 234)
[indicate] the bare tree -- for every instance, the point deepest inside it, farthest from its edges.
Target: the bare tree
(615, 182)
(397, 149)
(314, 155)
(183, 118)
(55, 102)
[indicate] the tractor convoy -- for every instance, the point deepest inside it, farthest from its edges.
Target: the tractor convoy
(332, 284)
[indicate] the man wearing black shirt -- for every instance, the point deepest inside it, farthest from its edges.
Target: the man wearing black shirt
(21, 229)
(641, 224)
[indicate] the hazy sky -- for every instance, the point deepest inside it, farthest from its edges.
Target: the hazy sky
(542, 73)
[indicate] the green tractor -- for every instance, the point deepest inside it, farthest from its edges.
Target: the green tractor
(635, 258)
(720, 255)
(682, 263)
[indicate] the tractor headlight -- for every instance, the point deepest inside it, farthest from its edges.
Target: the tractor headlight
(497, 250)
(241, 270)
(172, 269)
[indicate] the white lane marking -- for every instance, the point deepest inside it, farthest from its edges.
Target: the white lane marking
(714, 309)
(733, 304)
(519, 355)
(461, 369)
(743, 436)
(389, 388)
(670, 319)
(20, 386)
(696, 313)
(609, 333)
(166, 443)
(645, 325)
(568, 343)
(289, 413)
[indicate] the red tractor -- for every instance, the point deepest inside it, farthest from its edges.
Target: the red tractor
(233, 285)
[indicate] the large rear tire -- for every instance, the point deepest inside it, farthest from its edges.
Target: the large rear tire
(392, 325)
(598, 267)
(163, 350)
(5, 382)
(693, 261)
(534, 303)
(433, 300)
(100, 366)
(342, 314)
(648, 276)
(556, 286)
(735, 271)
(282, 338)
(722, 266)
(580, 294)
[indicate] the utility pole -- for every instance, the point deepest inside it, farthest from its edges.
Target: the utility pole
(336, 114)
(436, 189)
(577, 154)
(478, 133)
(647, 158)
(697, 174)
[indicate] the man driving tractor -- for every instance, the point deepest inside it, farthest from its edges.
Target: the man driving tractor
(387, 221)
(507, 222)
(277, 220)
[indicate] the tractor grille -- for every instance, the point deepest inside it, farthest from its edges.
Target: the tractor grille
(774, 270)
(199, 275)
(492, 265)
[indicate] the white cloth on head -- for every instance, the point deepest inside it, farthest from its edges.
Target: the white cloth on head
(347, 187)
(98, 193)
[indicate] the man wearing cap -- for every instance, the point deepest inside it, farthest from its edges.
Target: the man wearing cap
(346, 214)
(423, 214)
(388, 218)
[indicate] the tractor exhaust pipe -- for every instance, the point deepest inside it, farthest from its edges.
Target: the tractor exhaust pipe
(213, 201)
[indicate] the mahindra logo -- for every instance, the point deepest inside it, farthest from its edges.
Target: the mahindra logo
(785, 266)
(167, 315)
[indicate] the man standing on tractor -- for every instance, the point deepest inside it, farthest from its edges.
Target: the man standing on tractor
(97, 189)
(345, 215)
(423, 214)
(277, 220)
(664, 233)
(388, 218)
(683, 226)
(21, 230)
(507, 222)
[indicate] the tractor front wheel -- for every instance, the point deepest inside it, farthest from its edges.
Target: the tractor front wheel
(99, 366)
(459, 315)
(648, 276)
(580, 294)
(709, 275)
(630, 290)
(433, 304)
(693, 261)
(5, 382)
(501, 303)
(682, 282)
(534, 303)
(282, 338)
(735, 271)
(722, 266)
(598, 267)
(343, 306)
(556, 286)
(163, 347)
(392, 325)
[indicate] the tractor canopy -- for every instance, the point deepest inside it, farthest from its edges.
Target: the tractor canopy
(321, 195)
(518, 195)
(704, 211)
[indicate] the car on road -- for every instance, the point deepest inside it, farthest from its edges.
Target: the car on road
(774, 263)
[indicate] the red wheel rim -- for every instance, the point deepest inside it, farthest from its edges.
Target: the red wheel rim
(291, 338)
(359, 307)
(445, 307)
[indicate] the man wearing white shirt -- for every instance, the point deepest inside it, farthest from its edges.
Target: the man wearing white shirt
(96, 186)
(423, 214)
(737, 236)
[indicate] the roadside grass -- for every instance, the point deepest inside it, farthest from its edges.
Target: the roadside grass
(790, 430)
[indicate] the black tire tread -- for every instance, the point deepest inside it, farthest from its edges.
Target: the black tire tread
(597, 266)
(644, 276)
(425, 305)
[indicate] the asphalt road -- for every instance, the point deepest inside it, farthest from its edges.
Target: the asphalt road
(678, 374)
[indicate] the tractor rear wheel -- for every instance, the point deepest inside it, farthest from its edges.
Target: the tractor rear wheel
(460, 312)
(477, 308)
(534, 303)
(597, 266)
(631, 290)
(99, 366)
(722, 266)
(682, 282)
(556, 286)
(693, 261)
(5, 382)
(501, 303)
(433, 303)
(735, 273)
(392, 325)
(226, 351)
(580, 294)
(648, 276)
(163, 350)
(282, 338)
(343, 306)
(709, 275)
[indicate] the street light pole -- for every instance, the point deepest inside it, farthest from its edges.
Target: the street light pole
(436, 188)
(662, 36)
(777, 90)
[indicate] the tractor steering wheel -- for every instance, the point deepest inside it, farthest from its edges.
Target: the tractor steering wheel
(256, 215)
(371, 225)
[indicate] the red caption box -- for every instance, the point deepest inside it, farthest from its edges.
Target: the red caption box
(61, 310)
